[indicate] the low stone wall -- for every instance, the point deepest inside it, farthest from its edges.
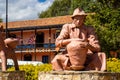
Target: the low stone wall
(12, 75)
(78, 75)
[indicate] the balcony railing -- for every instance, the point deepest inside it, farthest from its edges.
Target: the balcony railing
(36, 47)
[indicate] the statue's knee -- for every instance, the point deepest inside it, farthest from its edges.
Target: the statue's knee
(55, 59)
(2, 56)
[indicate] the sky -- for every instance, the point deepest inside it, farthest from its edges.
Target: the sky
(19, 10)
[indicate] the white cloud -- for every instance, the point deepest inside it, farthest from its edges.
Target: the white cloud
(23, 9)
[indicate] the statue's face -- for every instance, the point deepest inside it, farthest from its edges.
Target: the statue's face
(78, 20)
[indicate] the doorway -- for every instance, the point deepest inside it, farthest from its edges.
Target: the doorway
(27, 57)
(39, 39)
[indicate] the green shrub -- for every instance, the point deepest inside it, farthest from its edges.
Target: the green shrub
(31, 71)
(113, 65)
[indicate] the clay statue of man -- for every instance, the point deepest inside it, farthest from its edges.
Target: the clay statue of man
(7, 47)
(82, 46)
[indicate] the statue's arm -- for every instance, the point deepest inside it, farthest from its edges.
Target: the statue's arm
(93, 42)
(63, 38)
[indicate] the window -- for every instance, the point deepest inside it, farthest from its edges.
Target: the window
(45, 59)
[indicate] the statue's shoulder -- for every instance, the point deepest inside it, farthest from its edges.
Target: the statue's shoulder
(67, 26)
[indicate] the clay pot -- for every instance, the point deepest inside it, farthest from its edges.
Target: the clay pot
(11, 42)
(77, 54)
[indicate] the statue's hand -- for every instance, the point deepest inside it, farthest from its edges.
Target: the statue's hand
(84, 44)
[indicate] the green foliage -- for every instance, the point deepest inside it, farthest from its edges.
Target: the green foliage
(87, 5)
(0, 20)
(113, 65)
(107, 24)
(31, 71)
(66, 7)
(110, 3)
(59, 8)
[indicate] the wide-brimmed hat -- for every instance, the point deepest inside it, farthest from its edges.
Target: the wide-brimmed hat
(78, 12)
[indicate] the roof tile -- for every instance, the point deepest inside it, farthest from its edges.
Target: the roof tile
(40, 22)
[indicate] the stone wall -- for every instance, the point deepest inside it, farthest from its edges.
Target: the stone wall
(78, 75)
(12, 75)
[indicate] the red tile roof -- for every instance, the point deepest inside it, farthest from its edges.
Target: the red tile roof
(40, 22)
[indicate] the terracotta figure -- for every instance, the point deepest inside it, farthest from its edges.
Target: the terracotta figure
(7, 47)
(82, 46)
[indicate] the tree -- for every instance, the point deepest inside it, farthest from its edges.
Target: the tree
(107, 24)
(0, 20)
(59, 8)
(66, 7)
